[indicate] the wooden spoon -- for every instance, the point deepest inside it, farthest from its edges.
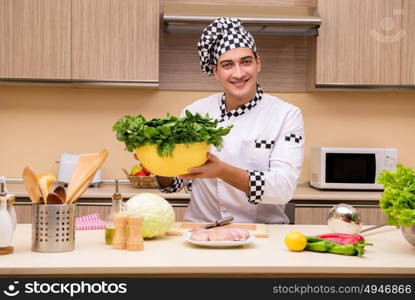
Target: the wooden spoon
(32, 185)
(54, 198)
(85, 170)
(60, 191)
(125, 172)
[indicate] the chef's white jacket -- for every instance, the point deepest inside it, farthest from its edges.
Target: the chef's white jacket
(267, 140)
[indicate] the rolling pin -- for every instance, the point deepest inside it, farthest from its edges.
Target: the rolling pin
(135, 241)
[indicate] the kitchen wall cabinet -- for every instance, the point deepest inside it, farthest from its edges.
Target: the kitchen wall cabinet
(408, 43)
(360, 42)
(80, 40)
(35, 39)
(115, 40)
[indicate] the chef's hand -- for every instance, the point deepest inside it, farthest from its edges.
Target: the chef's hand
(211, 169)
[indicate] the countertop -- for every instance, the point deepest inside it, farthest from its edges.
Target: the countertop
(301, 193)
(390, 255)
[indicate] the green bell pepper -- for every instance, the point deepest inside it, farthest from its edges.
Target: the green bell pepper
(317, 244)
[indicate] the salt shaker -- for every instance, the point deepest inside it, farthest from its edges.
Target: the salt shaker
(135, 241)
(120, 236)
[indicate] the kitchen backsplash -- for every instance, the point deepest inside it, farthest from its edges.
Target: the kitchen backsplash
(39, 123)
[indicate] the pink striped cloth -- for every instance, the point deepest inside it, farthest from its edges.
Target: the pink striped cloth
(92, 221)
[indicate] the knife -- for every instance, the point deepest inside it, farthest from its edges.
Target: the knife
(219, 222)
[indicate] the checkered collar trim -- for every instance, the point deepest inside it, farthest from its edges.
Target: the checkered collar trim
(226, 115)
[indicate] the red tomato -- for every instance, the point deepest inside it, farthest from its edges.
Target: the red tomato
(141, 173)
(146, 171)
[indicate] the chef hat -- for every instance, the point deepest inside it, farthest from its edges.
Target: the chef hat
(220, 36)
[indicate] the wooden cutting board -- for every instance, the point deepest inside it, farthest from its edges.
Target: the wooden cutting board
(258, 230)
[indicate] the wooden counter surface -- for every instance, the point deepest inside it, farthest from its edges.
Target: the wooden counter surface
(166, 256)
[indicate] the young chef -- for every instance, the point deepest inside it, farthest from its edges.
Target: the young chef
(256, 171)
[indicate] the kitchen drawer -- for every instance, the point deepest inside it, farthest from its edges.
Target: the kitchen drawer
(24, 211)
(317, 214)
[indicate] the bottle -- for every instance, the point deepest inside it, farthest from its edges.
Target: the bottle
(117, 207)
(6, 223)
(12, 211)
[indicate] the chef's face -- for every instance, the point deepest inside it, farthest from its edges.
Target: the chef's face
(237, 71)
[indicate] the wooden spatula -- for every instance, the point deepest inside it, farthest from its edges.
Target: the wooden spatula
(85, 170)
(82, 188)
(31, 184)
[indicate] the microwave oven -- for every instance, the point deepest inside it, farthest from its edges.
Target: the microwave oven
(350, 168)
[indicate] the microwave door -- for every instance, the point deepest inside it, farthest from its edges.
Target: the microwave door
(351, 168)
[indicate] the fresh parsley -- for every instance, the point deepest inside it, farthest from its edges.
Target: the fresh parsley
(136, 131)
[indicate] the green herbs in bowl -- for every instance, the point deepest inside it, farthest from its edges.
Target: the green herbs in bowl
(165, 133)
(170, 146)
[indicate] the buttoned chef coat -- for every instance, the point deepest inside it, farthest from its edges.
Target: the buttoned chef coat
(267, 140)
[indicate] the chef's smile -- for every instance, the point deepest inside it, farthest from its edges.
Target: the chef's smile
(237, 71)
(240, 84)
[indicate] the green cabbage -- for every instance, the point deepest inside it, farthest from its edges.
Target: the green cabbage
(158, 214)
(398, 199)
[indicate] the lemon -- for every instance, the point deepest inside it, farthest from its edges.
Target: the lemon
(45, 181)
(295, 241)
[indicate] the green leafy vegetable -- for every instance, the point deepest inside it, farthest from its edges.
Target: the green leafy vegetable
(398, 198)
(136, 131)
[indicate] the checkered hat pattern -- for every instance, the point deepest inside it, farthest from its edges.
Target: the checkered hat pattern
(222, 35)
(241, 109)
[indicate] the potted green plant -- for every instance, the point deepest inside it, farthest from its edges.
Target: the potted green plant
(398, 199)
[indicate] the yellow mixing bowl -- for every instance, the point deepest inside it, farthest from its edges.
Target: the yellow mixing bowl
(184, 157)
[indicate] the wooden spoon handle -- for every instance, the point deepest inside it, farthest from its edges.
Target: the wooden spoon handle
(125, 172)
(32, 185)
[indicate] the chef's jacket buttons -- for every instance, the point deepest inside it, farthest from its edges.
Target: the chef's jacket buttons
(224, 210)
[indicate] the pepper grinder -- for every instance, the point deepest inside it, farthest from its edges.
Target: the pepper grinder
(135, 241)
(120, 236)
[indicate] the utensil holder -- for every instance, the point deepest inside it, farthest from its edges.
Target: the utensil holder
(53, 227)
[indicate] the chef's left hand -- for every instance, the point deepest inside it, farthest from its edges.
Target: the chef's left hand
(211, 169)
